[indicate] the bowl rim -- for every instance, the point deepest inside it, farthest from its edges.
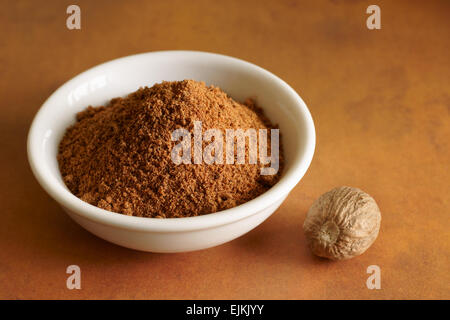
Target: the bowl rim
(276, 193)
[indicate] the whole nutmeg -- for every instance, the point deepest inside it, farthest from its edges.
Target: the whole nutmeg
(342, 223)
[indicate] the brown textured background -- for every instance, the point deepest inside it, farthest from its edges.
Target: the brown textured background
(381, 104)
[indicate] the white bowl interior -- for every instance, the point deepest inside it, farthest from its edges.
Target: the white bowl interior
(119, 77)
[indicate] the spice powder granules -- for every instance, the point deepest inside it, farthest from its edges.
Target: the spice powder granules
(118, 157)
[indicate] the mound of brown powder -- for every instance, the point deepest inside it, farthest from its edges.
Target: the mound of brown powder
(118, 157)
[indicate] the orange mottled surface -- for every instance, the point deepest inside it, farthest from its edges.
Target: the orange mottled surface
(381, 104)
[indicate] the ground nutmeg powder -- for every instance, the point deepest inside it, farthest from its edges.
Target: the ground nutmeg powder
(118, 156)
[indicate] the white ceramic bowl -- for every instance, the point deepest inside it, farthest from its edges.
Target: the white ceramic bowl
(119, 77)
